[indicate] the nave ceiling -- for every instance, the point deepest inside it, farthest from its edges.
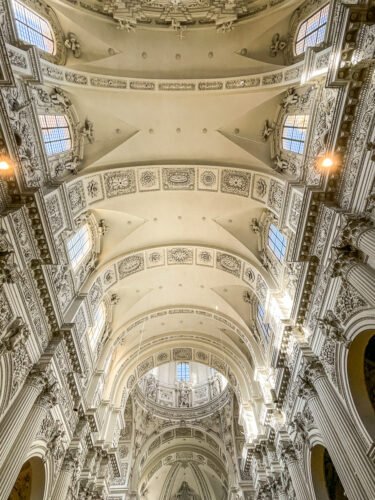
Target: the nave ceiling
(182, 237)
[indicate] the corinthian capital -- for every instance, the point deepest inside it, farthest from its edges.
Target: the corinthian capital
(314, 370)
(306, 389)
(37, 378)
(288, 454)
(345, 257)
(48, 398)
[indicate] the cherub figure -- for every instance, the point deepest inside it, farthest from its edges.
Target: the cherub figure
(72, 43)
(88, 131)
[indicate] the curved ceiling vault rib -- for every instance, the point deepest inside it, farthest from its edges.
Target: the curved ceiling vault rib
(228, 360)
(125, 331)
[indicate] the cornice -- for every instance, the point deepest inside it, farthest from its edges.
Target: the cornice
(60, 75)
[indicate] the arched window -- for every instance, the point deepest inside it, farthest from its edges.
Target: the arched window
(183, 372)
(264, 327)
(311, 32)
(96, 330)
(33, 29)
(79, 246)
(294, 133)
(276, 242)
(56, 133)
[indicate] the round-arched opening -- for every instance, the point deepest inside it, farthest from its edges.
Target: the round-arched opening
(30, 482)
(326, 482)
(361, 374)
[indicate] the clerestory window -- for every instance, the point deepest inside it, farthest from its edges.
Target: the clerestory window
(183, 372)
(276, 242)
(264, 327)
(79, 246)
(311, 32)
(294, 133)
(56, 133)
(33, 28)
(97, 329)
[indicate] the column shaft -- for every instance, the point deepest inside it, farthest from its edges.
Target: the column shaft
(352, 486)
(348, 434)
(298, 481)
(62, 484)
(362, 277)
(366, 242)
(17, 455)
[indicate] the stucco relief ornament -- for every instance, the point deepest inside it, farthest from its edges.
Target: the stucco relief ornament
(268, 129)
(278, 44)
(290, 98)
(59, 97)
(72, 43)
(71, 165)
(104, 228)
(128, 25)
(255, 226)
(331, 328)
(87, 131)
(17, 336)
(279, 164)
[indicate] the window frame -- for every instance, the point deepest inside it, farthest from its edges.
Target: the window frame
(296, 129)
(298, 40)
(265, 328)
(279, 251)
(52, 130)
(25, 25)
(98, 325)
(184, 376)
(84, 242)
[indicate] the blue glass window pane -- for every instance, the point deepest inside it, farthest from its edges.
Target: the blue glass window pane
(276, 242)
(264, 327)
(294, 133)
(312, 31)
(79, 246)
(183, 372)
(56, 133)
(33, 29)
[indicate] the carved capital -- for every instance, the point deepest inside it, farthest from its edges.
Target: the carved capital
(71, 460)
(355, 226)
(48, 398)
(37, 378)
(314, 370)
(345, 258)
(306, 390)
(288, 454)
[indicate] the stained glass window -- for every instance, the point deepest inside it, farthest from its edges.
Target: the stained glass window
(311, 32)
(79, 246)
(33, 29)
(276, 242)
(183, 372)
(56, 133)
(294, 133)
(264, 327)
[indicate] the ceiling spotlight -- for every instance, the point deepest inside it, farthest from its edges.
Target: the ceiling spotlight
(4, 165)
(327, 162)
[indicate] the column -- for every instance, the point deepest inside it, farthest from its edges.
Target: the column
(64, 480)
(352, 486)
(20, 448)
(296, 475)
(360, 232)
(359, 275)
(345, 427)
(15, 417)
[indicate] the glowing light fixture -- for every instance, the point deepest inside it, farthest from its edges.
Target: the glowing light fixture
(327, 162)
(4, 165)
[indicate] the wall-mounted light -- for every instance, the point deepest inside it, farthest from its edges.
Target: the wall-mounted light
(4, 163)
